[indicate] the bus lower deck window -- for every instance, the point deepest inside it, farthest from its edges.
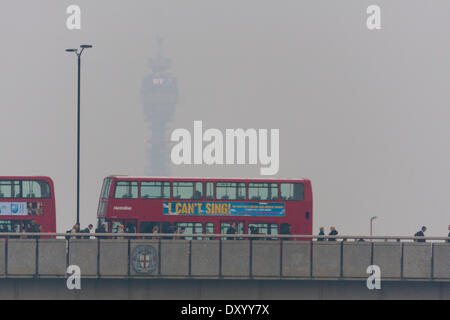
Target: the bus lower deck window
(262, 228)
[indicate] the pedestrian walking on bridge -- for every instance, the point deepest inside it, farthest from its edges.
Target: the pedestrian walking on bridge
(321, 233)
(420, 233)
(333, 232)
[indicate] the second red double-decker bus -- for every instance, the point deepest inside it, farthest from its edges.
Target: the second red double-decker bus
(26, 199)
(206, 205)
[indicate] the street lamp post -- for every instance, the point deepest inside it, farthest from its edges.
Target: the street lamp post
(371, 224)
(78, 53)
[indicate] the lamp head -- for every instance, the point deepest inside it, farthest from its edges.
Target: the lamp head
(86, 46)
(71, 50)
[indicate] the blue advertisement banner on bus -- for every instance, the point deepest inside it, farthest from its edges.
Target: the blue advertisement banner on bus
(13, 208)
(253, 209)
(20, 208)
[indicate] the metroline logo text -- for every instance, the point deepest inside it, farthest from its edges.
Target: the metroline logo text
(122, 208)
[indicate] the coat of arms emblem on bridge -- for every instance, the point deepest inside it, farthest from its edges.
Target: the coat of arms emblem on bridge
(144, 259)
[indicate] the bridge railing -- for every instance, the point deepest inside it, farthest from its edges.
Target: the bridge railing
(217, 256)
(207, 236)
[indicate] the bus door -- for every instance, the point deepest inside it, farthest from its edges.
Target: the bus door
(103, 221)
(130, 226)
(114, 226)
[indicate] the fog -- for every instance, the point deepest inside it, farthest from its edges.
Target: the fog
(363, 114)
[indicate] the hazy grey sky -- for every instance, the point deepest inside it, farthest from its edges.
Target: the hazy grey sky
(363, 114)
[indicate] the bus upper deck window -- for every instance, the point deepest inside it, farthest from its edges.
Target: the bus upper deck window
(209, 190)
(230, 191)
(35, 189)
(24, 189)
(262, 191)
(292, 191)
(6, 189)
(155, 190)
(187, 190)
(9, 189)
(126, 190)
(105, 189)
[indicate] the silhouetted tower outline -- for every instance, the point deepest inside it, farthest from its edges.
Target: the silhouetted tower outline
(159, 96)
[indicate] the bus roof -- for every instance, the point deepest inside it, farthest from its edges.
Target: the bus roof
(202, 178)
(25, 177)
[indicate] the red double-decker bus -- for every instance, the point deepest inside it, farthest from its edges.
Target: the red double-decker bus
(206, 205)
(24, 199)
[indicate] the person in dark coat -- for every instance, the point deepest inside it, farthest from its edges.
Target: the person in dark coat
(321, 233)
(87, 230)
(285, 228)
(232, 229)
(421, 233)
(16, 230)
(35, 228)
(333, 232)
(181, 230)
(101, 229)
(27, 228)
(170, 230)
(77, 229)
